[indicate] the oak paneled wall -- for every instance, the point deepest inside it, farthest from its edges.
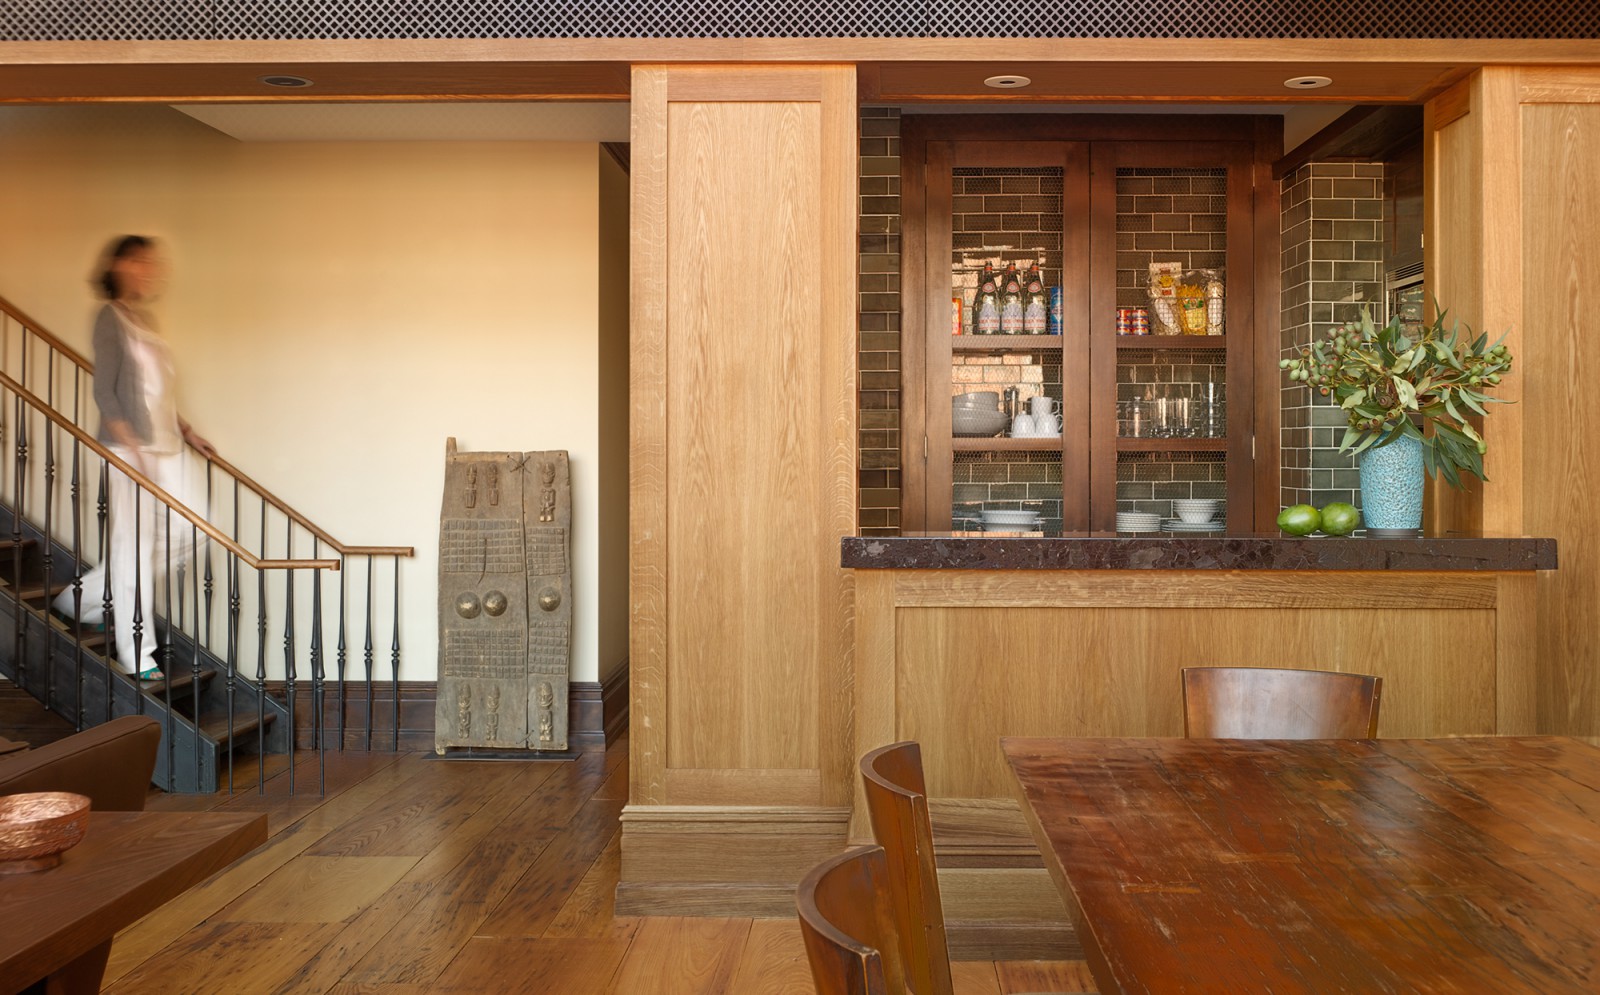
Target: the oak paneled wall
(1561, 360)
(1512, 204)
(957, 659)
(743, 451)
(962, 673)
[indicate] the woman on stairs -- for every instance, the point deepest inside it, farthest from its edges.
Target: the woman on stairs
(134, 388)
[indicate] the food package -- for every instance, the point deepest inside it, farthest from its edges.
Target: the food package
(1185, 302)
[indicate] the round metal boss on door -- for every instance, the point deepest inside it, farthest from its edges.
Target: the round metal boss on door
(467, 605)
(549, 599)
(495, 603)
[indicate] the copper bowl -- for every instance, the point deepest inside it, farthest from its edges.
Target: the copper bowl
(37, 828)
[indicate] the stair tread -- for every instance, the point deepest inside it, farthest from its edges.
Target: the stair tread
(215, 727)
(179, 681)
(34, 590)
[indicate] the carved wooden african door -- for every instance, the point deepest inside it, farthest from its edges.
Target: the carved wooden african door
(505, 606)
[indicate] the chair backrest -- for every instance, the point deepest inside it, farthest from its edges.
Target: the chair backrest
(897, 802)
(848, 927)
(1263, 703)
(110, 763)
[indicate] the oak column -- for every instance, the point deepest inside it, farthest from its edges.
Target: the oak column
(743, 463)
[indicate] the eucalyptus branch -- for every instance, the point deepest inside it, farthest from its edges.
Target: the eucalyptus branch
(1388, 382)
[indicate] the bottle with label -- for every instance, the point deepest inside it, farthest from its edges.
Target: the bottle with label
(986, 306)
(1036, 306)
(1011, 307)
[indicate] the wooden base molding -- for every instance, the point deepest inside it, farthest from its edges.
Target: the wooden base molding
(597, 713)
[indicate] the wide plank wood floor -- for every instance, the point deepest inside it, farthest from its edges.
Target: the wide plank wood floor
(414, 875)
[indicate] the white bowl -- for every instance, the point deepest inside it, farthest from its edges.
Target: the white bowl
(977, 423)
(1195, 517)
(1211, 503)
(978, 398)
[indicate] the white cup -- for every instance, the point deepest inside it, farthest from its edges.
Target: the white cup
(1042, 404)
(1021, 427)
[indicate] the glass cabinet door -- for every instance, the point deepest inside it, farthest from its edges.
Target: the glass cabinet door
(1165, 328)
(1007, 404)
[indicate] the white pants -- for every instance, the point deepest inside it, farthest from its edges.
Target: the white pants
(145, 549)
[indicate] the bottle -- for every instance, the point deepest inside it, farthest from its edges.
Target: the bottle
(1011, 308)
(1036, 306)
(986, 306)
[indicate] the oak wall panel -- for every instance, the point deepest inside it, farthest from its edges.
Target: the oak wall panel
(967, 676)
(743, 441)
(1560, 361)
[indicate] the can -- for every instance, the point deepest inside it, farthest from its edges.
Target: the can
(1140, 321)
(1056, 305)
(1125, 321)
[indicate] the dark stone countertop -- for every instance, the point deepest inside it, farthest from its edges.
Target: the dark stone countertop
(1109, 551)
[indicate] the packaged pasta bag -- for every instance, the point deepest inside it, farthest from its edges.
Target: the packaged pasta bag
(1164, 280)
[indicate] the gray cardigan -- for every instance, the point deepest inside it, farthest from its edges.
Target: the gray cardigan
(118, 386)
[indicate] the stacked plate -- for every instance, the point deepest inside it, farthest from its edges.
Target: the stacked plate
(1178, 525)
(977, 415)
(1005, 520)
(1138, 521)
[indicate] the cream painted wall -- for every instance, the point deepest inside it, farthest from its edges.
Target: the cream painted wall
(338, 309)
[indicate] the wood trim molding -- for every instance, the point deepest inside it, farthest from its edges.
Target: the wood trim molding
(597, 713)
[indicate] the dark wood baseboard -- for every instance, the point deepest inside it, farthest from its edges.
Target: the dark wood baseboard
(597, 713)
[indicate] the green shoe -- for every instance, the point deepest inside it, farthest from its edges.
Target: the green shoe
(153, 674)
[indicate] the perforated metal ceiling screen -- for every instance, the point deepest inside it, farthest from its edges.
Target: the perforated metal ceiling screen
(62, 20)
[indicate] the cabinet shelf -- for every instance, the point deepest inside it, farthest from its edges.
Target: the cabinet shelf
(1125, 445)
(1217, 342)
(1003, 343)
(962, 445)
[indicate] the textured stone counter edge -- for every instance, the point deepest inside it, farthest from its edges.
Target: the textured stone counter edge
(1465, 553)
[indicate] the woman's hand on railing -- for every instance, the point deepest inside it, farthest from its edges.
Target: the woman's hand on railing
(199, 442)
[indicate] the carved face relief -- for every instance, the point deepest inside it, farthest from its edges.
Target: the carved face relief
(547, 695)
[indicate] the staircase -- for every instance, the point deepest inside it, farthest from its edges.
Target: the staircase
(232, 601)
(210, 718)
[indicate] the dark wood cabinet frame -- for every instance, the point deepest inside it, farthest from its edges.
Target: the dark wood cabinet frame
(1089, 149)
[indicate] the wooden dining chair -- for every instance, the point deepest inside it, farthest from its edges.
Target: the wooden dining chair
(848, 927)
(1263, 703)
(897, 803)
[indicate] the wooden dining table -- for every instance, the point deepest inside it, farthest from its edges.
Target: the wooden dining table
(1374, 866)
(56, 925)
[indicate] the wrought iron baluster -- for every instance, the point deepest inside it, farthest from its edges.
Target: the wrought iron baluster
(113, 656)
(234, 595)
(207, 575)
(49, 536)
(19, 469)
(164, 647)
(317, 676)
(261, 662)
(137, 613)
(369, 652)
(394, 655)
(288, 639)
(77, 553)
(343, 588)
(194, 666)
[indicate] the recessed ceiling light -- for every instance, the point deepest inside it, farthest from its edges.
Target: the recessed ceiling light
(290, 82)
(1007, 82)
(1307, 82)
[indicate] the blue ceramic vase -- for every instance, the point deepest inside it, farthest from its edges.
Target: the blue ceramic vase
(1391, 485)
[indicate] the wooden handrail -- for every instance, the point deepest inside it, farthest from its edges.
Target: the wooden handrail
(84, 364)
(39, 330)
(96, 447)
